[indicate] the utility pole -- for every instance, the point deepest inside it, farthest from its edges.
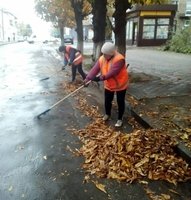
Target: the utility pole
(2, 23)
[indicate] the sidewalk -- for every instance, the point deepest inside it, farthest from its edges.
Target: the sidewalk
(160, 93)
(4, 43)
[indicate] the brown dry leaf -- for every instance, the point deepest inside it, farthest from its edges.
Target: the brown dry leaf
(140, 171)
(114, 175)
(144, 182)
(184, 136)
(86, 178)
(154, 196)
(129, 147)
(100, 186)
(166, 196)
(72, 151)
(173, 191)
(188, 130)
(142, 162)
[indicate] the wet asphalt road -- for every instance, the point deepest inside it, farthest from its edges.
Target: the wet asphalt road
(35, 163)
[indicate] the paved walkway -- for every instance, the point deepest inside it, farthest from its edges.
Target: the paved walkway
(160, 83)
(159, 73)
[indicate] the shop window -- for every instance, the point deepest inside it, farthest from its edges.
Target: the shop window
(129, 30)
(148, 28)
(149, 21)
(164, 21)
(188, 8)
(162, 32)
(162, 28)
(188, 13)
(187, 23)
(156, 28)
(148, 32)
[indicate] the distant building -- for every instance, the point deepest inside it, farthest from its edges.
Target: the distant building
(8, 26)
(88, 28)
(183, 15)
(150, 25)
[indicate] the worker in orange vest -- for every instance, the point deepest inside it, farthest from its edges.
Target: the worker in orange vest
(73, 58)
(114, 73)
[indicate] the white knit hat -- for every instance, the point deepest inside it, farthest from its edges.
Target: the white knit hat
(108, 48)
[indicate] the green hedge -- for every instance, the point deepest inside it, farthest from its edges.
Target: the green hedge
(180, 42)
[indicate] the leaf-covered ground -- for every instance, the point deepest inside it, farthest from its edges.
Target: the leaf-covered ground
(127, 156)
(169, 114)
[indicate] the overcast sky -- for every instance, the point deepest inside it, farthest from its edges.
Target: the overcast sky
(25, 12)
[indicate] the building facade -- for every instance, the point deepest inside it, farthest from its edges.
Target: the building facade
(88, 28)
(150, 25)
(183, 15)
(8, 26)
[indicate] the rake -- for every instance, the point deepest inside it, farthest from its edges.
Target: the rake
(58, 102)
(50, 76)
(54, 62)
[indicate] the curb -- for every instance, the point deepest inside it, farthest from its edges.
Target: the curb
(183, 151)
(6, 43)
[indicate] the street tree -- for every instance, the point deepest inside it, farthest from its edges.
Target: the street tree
(119, 16)
(149, 2)
(64, 13)
(82, 8)
(102, 10)
(99, 11)
(24, 30)
(59, 12)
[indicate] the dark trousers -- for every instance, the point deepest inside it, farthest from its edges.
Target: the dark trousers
(80, 70)
(120, 102)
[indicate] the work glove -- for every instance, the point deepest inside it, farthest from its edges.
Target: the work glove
(86, 82)
(69, 64)
(98, 78)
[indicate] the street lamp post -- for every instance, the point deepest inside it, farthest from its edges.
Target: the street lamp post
(2, 24)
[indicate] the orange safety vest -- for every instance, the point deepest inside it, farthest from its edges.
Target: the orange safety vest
(118, 82)
(78, 56)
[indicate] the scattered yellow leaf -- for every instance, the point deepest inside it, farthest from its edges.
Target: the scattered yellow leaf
(100, 186)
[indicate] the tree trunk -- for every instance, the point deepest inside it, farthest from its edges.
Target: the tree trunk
(62, 34)
(99, 23)
(61, 29)
(78, 6)
(120, 24)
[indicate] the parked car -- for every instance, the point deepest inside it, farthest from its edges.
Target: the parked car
(50, 39)
(68, 39)
(20, 39)
(32, 39)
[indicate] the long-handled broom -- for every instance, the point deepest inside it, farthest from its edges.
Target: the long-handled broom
(55, 62)
(43, 79)
(46, 111)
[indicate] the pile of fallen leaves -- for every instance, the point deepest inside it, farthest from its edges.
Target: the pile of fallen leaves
(128, 157)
